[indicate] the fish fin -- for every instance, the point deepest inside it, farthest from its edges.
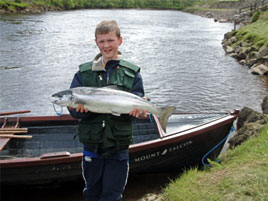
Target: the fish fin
(115, 113)
(165, 113)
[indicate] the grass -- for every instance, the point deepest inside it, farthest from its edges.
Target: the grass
(242, 176)
(230, 0)
(209, 3)
(208, 9)
(258, 28)
(255, 33)
(208, 6)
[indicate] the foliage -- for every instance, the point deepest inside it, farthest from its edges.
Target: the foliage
(206, 2)
(71, 4)
(176, 4)
(58, 3)
(13, 5)
(242, 176)
(68, 4)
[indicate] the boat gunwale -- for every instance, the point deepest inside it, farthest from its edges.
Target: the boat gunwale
(183, 135)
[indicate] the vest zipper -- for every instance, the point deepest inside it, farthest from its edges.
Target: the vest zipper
(102, 81)
(103, 123)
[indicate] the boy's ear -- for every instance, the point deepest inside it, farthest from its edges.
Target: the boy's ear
(121, 40)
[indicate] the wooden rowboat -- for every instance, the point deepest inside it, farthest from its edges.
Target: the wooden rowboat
(54, 155)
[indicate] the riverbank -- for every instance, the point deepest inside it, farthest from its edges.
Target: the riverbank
(249, 44)
(220, 11)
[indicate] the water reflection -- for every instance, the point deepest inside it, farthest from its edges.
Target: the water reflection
(138, 186)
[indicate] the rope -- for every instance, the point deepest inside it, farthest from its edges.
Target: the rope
(205, 156)
(58, 113)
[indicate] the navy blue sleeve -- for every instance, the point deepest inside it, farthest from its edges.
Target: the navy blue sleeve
(77, 82)
(137, 87)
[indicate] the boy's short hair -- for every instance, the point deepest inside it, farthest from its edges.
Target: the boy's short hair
(105, 27)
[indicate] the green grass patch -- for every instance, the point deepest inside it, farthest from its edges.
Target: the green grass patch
(242, 176)
(207, 9)
(229, 0)
(259, 29)
(40, 2)
(255, 33)
(209, 3)
(255, 17)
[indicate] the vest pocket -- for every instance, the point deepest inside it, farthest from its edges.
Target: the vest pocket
(128, 79)
(122, 132)
(90, 133)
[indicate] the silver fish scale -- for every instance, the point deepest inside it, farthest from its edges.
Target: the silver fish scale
(103, 91)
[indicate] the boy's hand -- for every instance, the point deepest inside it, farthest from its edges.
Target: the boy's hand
(138, 113)
(80, 108)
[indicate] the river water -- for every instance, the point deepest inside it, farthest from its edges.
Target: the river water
(182, 60)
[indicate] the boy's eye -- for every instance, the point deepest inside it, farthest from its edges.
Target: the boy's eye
(109, 41)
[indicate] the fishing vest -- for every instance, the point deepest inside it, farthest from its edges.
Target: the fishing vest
(105, 133)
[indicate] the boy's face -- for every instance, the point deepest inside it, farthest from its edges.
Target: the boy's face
(108, 45)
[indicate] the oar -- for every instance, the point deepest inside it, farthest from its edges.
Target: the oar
(15, 136)
(13, 129)
(14, 112)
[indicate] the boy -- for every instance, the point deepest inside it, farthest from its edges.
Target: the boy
(106, 137)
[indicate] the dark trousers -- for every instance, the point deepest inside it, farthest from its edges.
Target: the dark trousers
(105, 179)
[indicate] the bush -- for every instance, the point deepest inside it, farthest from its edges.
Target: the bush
(87, 4)
(68, 4)
(3, 4)
(58, 3)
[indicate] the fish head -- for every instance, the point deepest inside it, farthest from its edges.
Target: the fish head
(63, 98)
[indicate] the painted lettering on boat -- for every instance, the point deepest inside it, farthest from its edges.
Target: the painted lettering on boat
(163, 152)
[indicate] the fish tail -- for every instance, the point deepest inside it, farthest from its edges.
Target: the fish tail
(165, 113)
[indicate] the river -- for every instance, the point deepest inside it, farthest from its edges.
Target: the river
(182, 60)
